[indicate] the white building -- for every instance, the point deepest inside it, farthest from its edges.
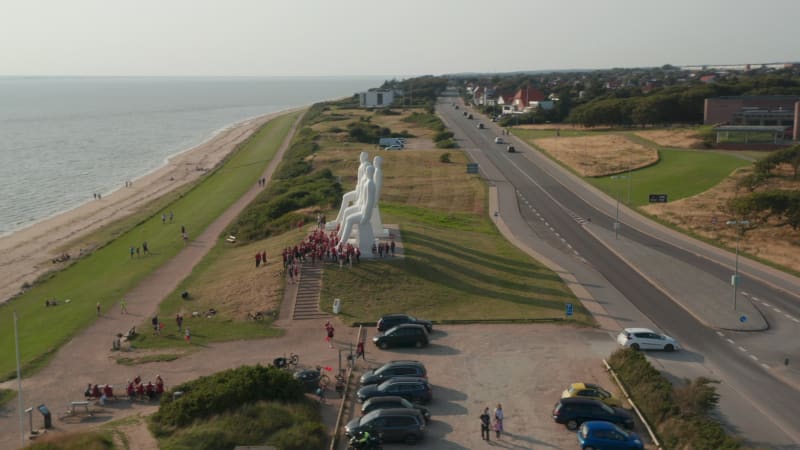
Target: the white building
(375, 99)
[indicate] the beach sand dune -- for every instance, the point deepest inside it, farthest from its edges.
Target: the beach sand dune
(28, 253)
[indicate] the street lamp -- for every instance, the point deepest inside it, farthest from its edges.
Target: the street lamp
(619, 194)
(735, 277)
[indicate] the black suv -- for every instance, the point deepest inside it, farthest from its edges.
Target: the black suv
(393, 401)
(413, 389)
(401, 335)
(394, 369)
(572, 412)
(394, 424)
(392, 320)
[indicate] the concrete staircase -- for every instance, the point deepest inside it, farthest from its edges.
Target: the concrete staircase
(306, 301)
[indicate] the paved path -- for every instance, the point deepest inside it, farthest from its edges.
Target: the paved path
(87, 358)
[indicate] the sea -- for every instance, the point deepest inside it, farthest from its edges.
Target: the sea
(63, 139)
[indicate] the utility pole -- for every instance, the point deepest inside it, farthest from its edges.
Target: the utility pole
(735, 277)
(19, 384)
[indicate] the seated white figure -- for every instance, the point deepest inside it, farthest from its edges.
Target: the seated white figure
(352, 196)
(362, 216)
(376, 221)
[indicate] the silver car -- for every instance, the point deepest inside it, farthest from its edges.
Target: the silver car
(646, 339)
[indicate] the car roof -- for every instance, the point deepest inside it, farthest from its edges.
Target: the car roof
(395, 412)
(583, 400)
(394, 315)
(405, 362)
(599, 425)
(386, 398)
(639, 330)
(409, 325)
(405, 380)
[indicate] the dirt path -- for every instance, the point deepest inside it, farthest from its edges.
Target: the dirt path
(87, 358)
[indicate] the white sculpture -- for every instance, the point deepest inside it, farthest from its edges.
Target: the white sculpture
(367, 201)
(352, 196)
(375, 220)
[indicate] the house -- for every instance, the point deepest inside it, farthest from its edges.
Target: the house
(525, 96)
(375, 98)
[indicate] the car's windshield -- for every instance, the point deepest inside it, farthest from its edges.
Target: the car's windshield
(369, 416)
(412, 318)
(607, 408)
(406, 403)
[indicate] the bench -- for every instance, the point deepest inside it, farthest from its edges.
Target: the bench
(231, 239)
(78, 404)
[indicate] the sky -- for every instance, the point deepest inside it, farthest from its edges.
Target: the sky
(379, 37)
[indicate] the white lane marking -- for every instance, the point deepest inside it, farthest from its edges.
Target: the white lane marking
(576, 252)
(745, 293)
(795, 319)
(777, 310)
(755, 299)
(558, 235)
(754, 357)
(789, 317)
(541, 218)
(563, 240)
(766, 304)
(546, 223)
(569, 246)
(552, 229)
(720, 333)
(730, 340)
(743, 349)
(765, 366)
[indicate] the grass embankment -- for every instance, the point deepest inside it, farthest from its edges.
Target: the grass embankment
(6, 395)
(82, 440)
(105, 275)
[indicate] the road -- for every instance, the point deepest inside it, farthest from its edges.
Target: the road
(758, 401)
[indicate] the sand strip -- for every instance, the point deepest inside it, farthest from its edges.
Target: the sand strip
(28, 253)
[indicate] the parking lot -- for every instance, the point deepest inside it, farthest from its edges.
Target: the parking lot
(523, 367)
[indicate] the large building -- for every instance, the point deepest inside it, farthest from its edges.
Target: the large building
(755, 111)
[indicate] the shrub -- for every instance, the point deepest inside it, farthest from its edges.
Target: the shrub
(443, 135)
(444, 157)
(447, 143)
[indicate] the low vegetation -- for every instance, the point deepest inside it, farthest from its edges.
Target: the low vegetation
(89, 440)
(680, 415)
(250, 405)
(6, 395)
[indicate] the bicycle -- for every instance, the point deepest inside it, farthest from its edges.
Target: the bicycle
(284, 363)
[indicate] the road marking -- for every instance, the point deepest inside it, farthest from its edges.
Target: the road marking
(765, 366)
(798, 321)
(576, 252)
(569, 246)
(558, 235)
(541, 218)
(745, 293)
(789, 317)
(720, 333)
(552, 229)
(754, 357)
(743, 349)
(564, 240)
(730, 340)
(766, 304)
(547, 224)
(755, 299)
(777, 310)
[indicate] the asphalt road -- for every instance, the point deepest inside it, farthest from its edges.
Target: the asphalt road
(559, 216)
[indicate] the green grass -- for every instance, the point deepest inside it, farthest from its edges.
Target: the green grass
(6, 395)
(456, 266)
(109, 272)
(679, 174)
(529, 135)
(124, 361)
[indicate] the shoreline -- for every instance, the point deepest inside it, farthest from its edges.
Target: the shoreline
(27, 253)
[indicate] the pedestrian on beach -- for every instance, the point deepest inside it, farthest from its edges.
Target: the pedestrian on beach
(187, 335)
(98, 309)
(498, 427)
(498, 418)
(485, 422)
(360, 350)
(123, 306)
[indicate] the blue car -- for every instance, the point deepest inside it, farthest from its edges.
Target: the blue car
(599, 435)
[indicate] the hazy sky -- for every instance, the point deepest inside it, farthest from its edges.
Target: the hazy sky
(380, 37)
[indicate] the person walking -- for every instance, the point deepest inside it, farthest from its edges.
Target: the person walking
(123, 306)
(485, 422)
(329, 333)
(258, 259)
(145, 249)
(98, 309)
(154, 322)
(498, 420)
(179, 321)
(360, 350)
(164, 218)
(187, 335)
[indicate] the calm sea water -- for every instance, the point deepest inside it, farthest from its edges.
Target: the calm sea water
(63, 139)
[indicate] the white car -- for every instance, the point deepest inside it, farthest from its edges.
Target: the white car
(646, 339)
(394, 147)
(499, 140)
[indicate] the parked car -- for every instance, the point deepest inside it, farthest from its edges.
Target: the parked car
(393, 425)
(392, 320)
(309, 378)
(499, 140)
(393, 147)
(393, 401)
(605, 435)
(479, 125)
(646, 339)
(511, 149)
(589, 390)
(392, 369)
(413, 389)
(405, 334)
(572, 412)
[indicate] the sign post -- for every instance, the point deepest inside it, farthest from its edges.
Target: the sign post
(569, 309)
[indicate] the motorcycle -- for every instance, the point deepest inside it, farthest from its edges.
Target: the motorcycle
(373, 443)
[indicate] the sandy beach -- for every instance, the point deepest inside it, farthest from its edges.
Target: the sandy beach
(28, 253)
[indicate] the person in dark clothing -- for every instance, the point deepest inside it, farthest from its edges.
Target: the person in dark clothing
(485, 422)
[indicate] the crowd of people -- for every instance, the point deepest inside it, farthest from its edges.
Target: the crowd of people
(137, 389)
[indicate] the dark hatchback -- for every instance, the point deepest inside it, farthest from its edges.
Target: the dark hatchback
(394, 424)
(413, 389)
(392, 320)
(407, 334)
(394, 369)
(393, 401)
(572, 412)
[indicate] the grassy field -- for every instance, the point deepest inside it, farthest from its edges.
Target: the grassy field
(679, 174)
(529, 135)
(455, 266)
(105, 275)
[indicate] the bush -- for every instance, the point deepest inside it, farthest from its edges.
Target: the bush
(680, 416)
(443, 135)
(444, 157)
(447, 143)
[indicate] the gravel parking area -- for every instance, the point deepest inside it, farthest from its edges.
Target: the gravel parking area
(523, 367)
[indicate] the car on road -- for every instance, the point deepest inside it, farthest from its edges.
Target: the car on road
(406, 334)
(469, 116)
(646, 339)
(413, 389)
(393, 401)
(589, 390)
(392, 369)
(479, 125)
(499, 140)
(511, 149)
(391, 320)
(572, 412)
(605, 435)
(393, 425)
